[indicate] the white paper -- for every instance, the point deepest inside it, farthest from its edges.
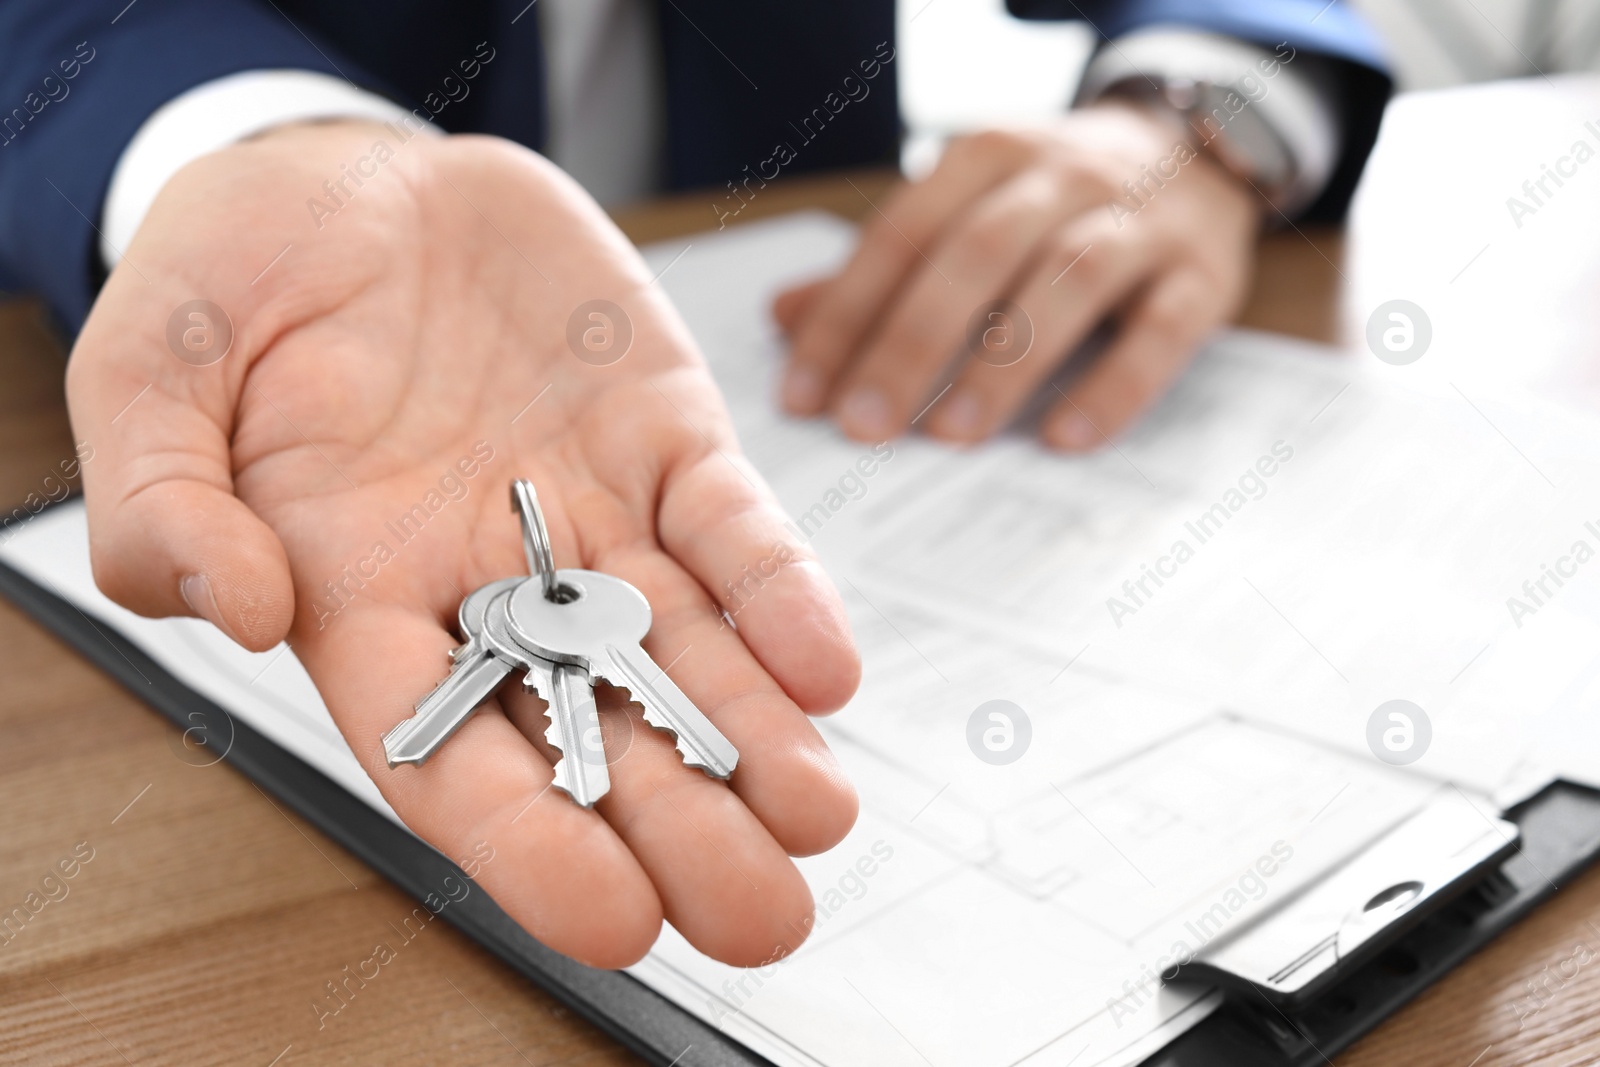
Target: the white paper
(984, 915)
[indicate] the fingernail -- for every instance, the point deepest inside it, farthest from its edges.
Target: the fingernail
(865, 414)
(960, 417)
(196, 592)
(1073, 431)
(802, 390)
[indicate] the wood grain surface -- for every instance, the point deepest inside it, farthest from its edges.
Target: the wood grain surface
(205, 922)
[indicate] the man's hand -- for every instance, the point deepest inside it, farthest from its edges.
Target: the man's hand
(400, 351)
(1039, 218)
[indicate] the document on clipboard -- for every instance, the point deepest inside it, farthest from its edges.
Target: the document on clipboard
(1168, 772)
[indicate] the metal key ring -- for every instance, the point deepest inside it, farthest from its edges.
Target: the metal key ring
(535, 537)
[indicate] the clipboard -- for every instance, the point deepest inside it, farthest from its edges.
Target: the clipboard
(1418, 935)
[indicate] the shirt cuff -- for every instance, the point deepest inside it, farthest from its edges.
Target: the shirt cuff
(1295, 105)
(214, 115)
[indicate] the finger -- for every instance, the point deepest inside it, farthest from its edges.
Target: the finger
(792, 306)
(722, 880)
(893, 242)
(732, 537)
(677, 480)
(710, 521)
(973, 262)
(1156, 341)
(166, 534)
(786, 774)
(1084, 271)
(559, 870)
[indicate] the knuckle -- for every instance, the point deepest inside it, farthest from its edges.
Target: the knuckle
(983, 246)
(986, 144)
(1175, 318)
(1071, 255)
(1078, 173)
(1144, 378)
(1116, 223)
(1169, 321)
(1073, 171)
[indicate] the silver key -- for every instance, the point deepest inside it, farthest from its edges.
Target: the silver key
(480, 665)
(574, 728)
(475, 672)
(596, 622)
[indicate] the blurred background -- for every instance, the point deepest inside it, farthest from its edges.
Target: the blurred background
(967, 63)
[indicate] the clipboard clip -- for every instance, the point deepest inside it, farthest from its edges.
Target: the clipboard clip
(1294, 953)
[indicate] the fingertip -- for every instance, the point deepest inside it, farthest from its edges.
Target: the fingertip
(188, 548)
(560, 872)
(959, 420)
(607, 930)
(798, 629)
(828, 810)
(254, 611)
(828, 688)
(622, 944)
(1071, 431)
(803, 390)
(607, 926)
(768, 932)
(247, 571)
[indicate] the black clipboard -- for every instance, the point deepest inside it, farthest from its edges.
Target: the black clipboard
(1559, 828)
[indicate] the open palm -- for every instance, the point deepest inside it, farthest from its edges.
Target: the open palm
(339, 476)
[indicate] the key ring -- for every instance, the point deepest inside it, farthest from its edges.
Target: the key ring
(535, 538)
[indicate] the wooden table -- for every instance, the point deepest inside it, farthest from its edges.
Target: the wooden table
(208, 919)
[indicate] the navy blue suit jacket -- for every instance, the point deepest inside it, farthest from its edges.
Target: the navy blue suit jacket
(78, 77)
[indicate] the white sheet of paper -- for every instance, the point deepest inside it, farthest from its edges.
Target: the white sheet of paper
(994, 915)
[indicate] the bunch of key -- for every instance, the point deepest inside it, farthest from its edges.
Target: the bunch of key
(565, 629)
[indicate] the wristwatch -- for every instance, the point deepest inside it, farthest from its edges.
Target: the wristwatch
(1220, 121)
(1270, 118)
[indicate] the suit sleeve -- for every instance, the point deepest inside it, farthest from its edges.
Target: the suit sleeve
(1350, 48)
(77, 79)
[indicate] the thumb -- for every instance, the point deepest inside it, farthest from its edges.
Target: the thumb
(153, 385)
(167, 535)
(184, 547)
